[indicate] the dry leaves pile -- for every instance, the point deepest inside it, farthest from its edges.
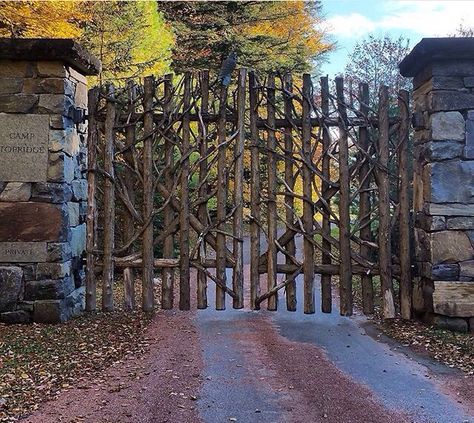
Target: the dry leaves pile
(451, 348)
(38, 361)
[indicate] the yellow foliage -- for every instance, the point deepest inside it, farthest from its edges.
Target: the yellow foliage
(41, 19)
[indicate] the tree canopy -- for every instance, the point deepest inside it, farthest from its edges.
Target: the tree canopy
(375, 61)
(268, 35)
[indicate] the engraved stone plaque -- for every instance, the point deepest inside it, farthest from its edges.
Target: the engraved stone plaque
(23, 147)
(22, 252)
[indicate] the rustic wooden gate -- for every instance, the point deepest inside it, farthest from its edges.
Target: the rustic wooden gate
(182, 172)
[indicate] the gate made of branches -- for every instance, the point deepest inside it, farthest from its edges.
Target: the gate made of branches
(182, 172)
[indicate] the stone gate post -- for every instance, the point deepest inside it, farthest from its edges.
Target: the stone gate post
(443, 185)
(43, 188)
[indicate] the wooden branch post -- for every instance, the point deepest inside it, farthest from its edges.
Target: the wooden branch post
(404, 218)
(254, 194)
(272, 218)
(308, 207)
(91, 220)
(364, 201)
(326, 288)
(290, 182)
(384, 237)
(345, 278)
(221, 200)
(167, 284)
(203, 187)
(128, 221)
(238, 274)
(148, 194)
(109, 203)
(184, 227)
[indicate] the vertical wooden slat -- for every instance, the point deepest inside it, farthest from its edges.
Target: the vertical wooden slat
(272, 302)
(290, 182)
(167, 288)
(404, 221)
(345, 272)
(147, 241)
(221, 199)
(364, 202)
(384, 237)
(203, 186)
(326, 288)
(308, 207)
(255, 194)
(91, 221)
(238, 274)
(184, 227)
(128, 226)
(109, 204)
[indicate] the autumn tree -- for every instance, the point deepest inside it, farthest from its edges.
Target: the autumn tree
(464, 31)
(130, 38)
(375, 61)
(266, 35)
(58, 19)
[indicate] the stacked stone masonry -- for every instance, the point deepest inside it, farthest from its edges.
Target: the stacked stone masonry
(43, 191)
(443, 190)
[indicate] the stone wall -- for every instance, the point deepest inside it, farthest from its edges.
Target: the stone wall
(443, 183)
(43, 189)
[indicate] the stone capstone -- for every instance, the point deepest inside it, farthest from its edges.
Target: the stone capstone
(11, 281)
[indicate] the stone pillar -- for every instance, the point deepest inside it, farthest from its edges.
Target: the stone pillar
(43, 187)
(443, 185)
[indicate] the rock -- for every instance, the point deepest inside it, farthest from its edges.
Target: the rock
(47, 86)
(66, 140)
(50, 311)
(11, 85)
(73, 213)
(16, 191)
(469, 149)
(31, 221)
(49, 289)
(53, 270)
(469, 82)
(78, 240)
(50, 192)
(449, 182)
(467, 269)
(80, 97)
(60, 122)
(450, 247)
(450, 323)
(76, 76)
(443, 150)
(15, 69)
(447, 126)
(79, 189)
(466, 222)
(450, 100)
(26, 306)
(61, 168)
(29, 272)
(51, 69)
(75, 301)
(18, 103)
(59, 251)
(54, 103)
(449, 209)
(445, 272)
(15, 317)
(11, 279)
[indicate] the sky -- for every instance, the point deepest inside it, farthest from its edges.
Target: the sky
(350, 21)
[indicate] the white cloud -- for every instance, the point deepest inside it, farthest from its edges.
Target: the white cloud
(428, 18)
(353, 25)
